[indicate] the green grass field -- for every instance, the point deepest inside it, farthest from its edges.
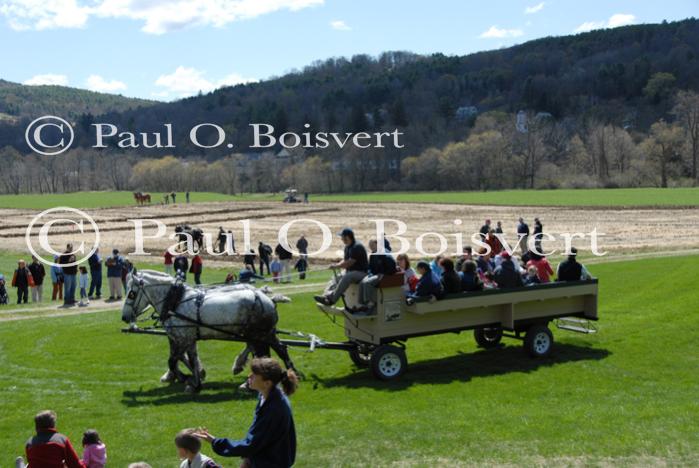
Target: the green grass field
(623, 397)
(648, 197)
(582, 197)
(96, 199)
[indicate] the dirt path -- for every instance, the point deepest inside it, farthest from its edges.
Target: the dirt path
(627, 230)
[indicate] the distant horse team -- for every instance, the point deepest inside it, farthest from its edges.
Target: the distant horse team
(142, 198)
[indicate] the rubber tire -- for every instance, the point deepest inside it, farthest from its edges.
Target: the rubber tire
(488, 337)
(535, 339)
(360, 360)
(388, 362)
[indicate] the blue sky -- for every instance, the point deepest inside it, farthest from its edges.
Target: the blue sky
(165, 50)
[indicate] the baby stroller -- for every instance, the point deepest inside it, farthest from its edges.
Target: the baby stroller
(3, 291)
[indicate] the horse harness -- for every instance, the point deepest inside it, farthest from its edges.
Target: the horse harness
(172, 301)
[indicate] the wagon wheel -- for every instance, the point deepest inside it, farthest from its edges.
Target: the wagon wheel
(359, 358)
(538, 341)
(388, 362)
(488, 337)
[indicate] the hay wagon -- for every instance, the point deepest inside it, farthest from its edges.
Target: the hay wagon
(378, 341)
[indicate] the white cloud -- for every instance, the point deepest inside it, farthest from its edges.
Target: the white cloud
(158, 16)
(47, 79)
(534, 8)
(340, 25)
(620, 19)
(97, 83)
(186, 81)
(496, 33)
(614, 21)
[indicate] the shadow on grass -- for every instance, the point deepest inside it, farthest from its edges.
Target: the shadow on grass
(212, 392)
(464, 366)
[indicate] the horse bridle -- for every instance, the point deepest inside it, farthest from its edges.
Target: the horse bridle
(133, 295)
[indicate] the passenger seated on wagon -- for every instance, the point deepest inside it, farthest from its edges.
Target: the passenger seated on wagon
(410, 279)
(355, 263)
(483, 261)
(507, 275)
(470, 281)
(466, 256)
(379, 265)
(429, 283)
(543, 267)
(451, 282)
(435, 265)
(532, 276)
(571, 270)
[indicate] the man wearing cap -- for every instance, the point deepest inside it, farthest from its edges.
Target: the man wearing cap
(571, 270)
(114, 264)
(355, 264)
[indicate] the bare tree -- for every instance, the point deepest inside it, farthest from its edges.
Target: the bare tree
(687, 112)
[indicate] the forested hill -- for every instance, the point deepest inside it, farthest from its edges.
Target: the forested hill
(19, 101)
(624, 76)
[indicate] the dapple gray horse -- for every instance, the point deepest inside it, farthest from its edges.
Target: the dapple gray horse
(233, 312)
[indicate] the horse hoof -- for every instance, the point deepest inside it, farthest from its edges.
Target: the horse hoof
(168, 377)
(237, 369)
(202, 375)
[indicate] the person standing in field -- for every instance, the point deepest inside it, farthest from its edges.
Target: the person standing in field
(485, 229)
(302, 245)
(173, 195)
(38, 274)
(22, 280)
(57, 280)
(82, 282)
(221, 239)
(95, 262)
(196, 268)
(538, 233)
(285, 259)
(275, 269)
(114, 263)
(523, 235)
(265, 251)
(70, 272)
(168, 261)
(186, 196)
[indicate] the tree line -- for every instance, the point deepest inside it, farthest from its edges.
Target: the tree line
(501, 151)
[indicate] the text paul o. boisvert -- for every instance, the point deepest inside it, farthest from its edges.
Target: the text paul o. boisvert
(209, 135)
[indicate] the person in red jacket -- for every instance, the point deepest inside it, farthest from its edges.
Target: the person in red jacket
(49, 448)
(22, 280)
(542, 265)
(196, 268)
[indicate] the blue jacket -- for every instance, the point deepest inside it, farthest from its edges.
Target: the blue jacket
(429, 285)
(114, 271)
(271, 439)
(95, 262)
(55, 272)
